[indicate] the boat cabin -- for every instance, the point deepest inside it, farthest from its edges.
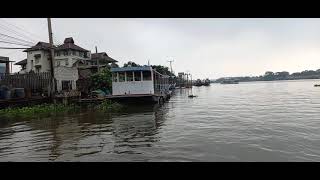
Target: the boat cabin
(141, 80)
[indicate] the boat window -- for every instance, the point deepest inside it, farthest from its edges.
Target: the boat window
(146, 75)
(121, 77)
(137, 76)
(114, 77)
(129, 76)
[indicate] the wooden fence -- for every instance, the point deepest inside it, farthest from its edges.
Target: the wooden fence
(33, 81)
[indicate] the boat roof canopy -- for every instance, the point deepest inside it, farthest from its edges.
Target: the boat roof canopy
(140, 68)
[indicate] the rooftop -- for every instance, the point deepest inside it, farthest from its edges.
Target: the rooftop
(69, 44)
(4, 59)
(39, 46)
(102, 56)
(23, 62)
(139, 68)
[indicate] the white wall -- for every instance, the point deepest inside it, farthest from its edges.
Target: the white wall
(66, 74)
(132, 87)
(45, 63)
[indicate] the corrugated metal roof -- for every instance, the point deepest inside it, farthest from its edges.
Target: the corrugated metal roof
(140, 68)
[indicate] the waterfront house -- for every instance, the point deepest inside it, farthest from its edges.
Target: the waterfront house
(68, 58)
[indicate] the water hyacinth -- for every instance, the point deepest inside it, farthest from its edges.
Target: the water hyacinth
(37, 110)
(48, 109)
(108, 105)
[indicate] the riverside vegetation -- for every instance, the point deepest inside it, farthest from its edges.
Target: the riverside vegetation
(49, 109)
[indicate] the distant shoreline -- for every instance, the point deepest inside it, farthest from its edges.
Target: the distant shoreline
(273, 80)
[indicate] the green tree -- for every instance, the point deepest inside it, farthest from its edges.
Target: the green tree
(131, 64)
(102, 80)
(162, 70)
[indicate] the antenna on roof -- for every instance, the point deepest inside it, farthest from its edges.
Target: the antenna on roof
(148, 62)
(96, 49)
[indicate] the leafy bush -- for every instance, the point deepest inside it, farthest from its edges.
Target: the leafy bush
(102, 80)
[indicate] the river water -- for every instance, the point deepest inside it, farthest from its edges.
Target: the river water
(254, 121)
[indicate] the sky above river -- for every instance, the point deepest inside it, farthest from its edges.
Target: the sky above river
(207, 48)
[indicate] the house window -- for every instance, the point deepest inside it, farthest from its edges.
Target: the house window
(67, 63)
(81, 54)
(146, 75)
(66, 85)
(129, 76)
(65, 53)
(57, 53)
(74, 53)
(121, 77)
(137, 76)
(58, 63)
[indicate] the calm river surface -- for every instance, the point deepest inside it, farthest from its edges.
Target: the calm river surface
(256, 121)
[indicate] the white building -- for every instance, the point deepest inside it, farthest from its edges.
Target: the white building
(68, 57)
(37, 59)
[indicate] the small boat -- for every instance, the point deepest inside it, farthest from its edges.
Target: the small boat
(230, 82)
(192, 96)
(317, 85)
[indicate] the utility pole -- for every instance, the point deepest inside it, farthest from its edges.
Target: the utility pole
(98, 63)
(53, 87)
(171, 65)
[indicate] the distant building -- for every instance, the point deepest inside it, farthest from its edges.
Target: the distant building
(4, 64)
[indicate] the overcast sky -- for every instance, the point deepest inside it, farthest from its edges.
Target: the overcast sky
(210, 48)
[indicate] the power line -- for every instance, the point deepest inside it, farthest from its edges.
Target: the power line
(16, 38)
(23, 30)
(16, 33)
(8, 42)
(12, 48)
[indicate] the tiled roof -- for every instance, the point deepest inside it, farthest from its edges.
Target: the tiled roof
(69, 44)
(39, 46)
(102, 56)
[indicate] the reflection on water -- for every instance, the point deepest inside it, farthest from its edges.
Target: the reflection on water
(257, 121)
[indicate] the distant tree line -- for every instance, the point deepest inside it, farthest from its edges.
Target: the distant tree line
(274, 76)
